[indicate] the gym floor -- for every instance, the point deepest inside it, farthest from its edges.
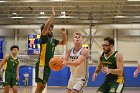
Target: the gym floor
(63, 90)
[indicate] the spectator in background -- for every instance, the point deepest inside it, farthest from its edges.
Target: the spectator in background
(26, 79)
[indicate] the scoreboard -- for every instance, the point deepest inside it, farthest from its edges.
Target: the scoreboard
(33, 44)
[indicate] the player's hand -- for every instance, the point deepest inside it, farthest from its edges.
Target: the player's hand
(17, 78)
(105, 70)
(53, 12)
(94, 76)
(64, 63)
(63, 31)
(135, 74)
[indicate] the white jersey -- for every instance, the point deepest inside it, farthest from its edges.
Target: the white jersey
(80, 71)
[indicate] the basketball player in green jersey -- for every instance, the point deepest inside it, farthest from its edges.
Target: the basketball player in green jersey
(11, 70)
(47, 47)
(111, 63)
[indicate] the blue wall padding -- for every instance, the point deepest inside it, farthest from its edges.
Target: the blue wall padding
(130, 81)
(59, 78)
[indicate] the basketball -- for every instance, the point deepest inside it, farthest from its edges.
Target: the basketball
(55, 64)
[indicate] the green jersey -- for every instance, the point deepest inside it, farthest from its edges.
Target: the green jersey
(47, 47)
(11, 64)
(111, 63)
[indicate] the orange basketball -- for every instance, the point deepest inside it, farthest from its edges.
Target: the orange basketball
(55, 63)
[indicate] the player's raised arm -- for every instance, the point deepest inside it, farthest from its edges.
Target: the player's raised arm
(46, 26)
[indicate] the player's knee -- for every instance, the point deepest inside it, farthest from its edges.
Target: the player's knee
(15, 89)
(41, 86)
(6, 91)
(68, 91)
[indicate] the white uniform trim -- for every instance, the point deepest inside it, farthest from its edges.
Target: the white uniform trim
(119, 89)
(3, 79)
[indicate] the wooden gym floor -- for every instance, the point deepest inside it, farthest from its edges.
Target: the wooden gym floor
(62, 90)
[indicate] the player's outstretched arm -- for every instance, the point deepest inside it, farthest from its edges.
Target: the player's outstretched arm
(98, 69)
(65, 58)
(135, 74)
(81, 58)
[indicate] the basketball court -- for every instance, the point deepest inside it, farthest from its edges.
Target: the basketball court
(63, 89)
(21, 20)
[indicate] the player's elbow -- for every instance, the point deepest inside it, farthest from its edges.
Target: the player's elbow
(63, 42)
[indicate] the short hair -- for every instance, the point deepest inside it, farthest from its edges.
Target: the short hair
(42, 27)
(110, 40)
(14, 46)
(77, 33)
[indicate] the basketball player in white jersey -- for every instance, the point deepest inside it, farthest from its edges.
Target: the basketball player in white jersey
(75, 58)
